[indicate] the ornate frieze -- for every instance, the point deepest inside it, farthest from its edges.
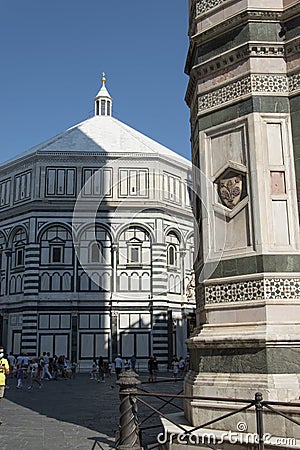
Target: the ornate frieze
(205, 5)
(225, 61)
(294, 82)
(252, 290)
(251, 84)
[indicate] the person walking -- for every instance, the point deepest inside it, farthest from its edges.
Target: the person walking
(155, 368)
(12, 362)
(34, 374)
(175, 367)
(25, 365)
(73, 370)
(133, 362)
(20, 376)
(150, 369)
(181, 365)
(94, 370)
(4, 371)
(109, 367)
(118, 365)
(19, 359)
(126, 364)
(45, 366)
(101, 369)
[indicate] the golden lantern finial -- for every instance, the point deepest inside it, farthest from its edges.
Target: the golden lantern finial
(103, 77)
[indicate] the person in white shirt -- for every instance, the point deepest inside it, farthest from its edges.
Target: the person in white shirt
(118, 365)
(45, 364)
(12, 362)
(34, 374)
(20, 360)
(175, 367)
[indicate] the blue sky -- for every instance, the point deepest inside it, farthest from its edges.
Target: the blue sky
(52, 56)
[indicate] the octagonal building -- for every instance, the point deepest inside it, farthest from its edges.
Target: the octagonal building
(96, 245)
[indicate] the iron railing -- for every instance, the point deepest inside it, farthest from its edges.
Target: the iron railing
(141, 395)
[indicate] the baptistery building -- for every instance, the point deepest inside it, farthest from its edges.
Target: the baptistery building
(96, 245)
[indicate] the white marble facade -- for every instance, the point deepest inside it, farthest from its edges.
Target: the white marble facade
(110, 274)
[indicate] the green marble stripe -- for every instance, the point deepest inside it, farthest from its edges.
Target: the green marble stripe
(246, 360)
(255, 264)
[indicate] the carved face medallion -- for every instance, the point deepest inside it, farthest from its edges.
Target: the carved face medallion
(230, 190)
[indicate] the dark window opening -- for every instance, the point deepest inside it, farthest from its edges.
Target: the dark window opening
(172, 257)
(95, 256)
(20, 257)
(134, 254)
(57, 255)
(103, 107)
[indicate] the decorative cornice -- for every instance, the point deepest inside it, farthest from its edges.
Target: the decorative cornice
(228, 59)
(235, 21)
(292, 47)
(291, 11)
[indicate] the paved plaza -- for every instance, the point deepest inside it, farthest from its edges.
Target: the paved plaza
(71, 414)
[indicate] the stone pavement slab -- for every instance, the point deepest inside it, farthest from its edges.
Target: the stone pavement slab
(70, 414)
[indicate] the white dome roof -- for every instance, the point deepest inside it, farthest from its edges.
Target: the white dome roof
(104, 135)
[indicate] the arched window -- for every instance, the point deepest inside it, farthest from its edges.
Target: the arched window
(135, 247)
(2, 248)
(18, 249)
(56, 246)
(84, 282)
(95, 253)
(145, 282)
(134, 282)
(55, 282)
(45, 282)
(171, 256)
(134, 254)
(123, 282)
(95, 246)
(173, 244)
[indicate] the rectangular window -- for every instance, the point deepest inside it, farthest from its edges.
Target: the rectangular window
(61, 182)
(5, 192)
(97, 182)
(22, 187)
(133, 182)
(57, 254)
(20, 257)
(172, 186)
(102, 107)
(134, 254)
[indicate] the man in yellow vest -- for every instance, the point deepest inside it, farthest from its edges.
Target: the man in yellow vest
(4, 370)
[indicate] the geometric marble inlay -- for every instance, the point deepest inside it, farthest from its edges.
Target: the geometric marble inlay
(250, 290)
(205, 5)
(294, 82)
(261, 84)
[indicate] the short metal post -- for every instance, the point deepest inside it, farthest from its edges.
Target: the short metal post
(128, 436)
(259, 420)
